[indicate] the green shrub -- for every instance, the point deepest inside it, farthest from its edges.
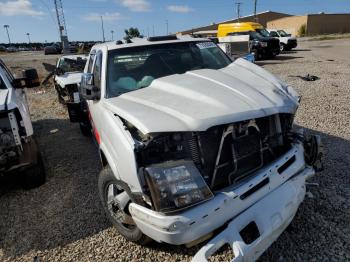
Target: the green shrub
(302, 30)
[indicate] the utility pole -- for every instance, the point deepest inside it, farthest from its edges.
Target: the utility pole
(112, 32)
(62, 26)
(7, 31)
(255, 3)
(167, 27)
(103, 30)
(28, 37)
(238, 7)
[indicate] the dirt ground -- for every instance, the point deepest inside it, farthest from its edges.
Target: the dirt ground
(63, 219)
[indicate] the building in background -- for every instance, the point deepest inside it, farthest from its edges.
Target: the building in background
(210, 30)
(314, 24)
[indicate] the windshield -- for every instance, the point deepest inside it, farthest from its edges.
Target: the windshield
(263, 32)
(72, 65)
(282, 33)
(130, 69)
(2, 84)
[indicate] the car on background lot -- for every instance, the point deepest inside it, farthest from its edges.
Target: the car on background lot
(194, 146)
(53, 49)
(287, 42)
(18, 150)
(68, 72)
(12, 49)
(2, 48)
(261, 44)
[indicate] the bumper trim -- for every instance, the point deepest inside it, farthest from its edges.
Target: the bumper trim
(272, 214)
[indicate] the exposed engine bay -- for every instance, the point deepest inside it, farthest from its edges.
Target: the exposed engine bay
(10, 140)
(223, 154)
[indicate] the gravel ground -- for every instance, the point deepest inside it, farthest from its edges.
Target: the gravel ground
(63, 220)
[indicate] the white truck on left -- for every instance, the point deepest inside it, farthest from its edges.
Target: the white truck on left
(19, 153)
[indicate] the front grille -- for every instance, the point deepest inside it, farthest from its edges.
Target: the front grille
(228, 153)
(274, 44)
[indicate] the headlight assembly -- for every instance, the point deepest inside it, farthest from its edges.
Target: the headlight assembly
(263, 44)
(176, 185)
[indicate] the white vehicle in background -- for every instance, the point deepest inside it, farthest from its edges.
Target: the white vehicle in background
(287, 42)
(195, 146)
(237, 46)
(18, 150)
(68, 72)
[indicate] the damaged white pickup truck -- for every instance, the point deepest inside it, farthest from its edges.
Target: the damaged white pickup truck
(195, 146)
(19, 153)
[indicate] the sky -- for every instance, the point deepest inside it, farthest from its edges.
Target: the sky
(38, 17)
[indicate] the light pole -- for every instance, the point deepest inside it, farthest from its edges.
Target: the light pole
(167, 27)
(7, 31)
(238, 10)
(28, 37)
(112, 32)
(255, 3)
(103, 30)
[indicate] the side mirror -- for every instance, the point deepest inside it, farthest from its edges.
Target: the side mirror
(88, 90)
(31, 78)
(59, 71)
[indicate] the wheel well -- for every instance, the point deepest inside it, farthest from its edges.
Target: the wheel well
(103, 159)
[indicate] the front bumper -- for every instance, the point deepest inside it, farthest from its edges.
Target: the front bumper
(292, 44)
(272, 215)
(194, 223)
(27, 159)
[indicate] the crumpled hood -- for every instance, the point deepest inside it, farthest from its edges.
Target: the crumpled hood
(68, 79)
(3, 98)
(198, 100)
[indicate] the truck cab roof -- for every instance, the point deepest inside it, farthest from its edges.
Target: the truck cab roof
(134, 42)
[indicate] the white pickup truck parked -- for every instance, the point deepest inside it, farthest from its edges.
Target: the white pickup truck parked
(67, 77)
(195, 146)
(287, 42)
(18, 150)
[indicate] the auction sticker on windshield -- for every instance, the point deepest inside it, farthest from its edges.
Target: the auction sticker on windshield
(205, 45)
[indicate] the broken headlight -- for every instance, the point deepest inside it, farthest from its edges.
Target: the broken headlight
(176, 185)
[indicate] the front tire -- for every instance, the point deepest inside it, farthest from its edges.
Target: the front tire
(282, 47)
(109, 188)
(35, 175)
(85, 129)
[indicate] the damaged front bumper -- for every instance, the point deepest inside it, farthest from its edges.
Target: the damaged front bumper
(271, 215)
(198, 221)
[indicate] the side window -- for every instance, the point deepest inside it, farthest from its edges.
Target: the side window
(273, 34)
(97, 71)
(7, 72)
(2, 84)
(91, 61)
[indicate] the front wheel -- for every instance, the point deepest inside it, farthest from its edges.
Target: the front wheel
(115, 200)
(85, 129)
(35, 175)
(282, 47)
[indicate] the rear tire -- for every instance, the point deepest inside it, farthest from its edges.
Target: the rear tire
(35, 175)
(130, 232)
(85, 129)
